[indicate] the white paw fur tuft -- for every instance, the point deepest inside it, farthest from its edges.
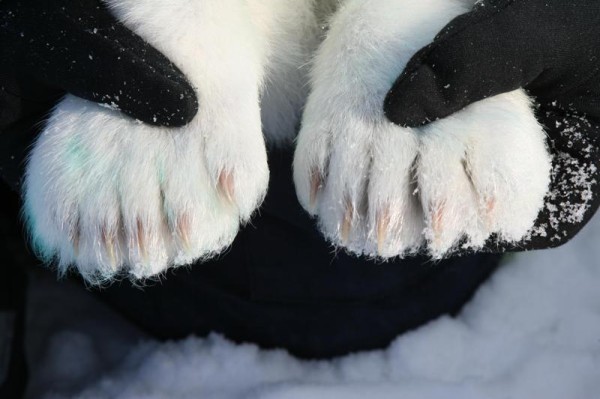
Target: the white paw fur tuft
(106, 194)
(382, 190)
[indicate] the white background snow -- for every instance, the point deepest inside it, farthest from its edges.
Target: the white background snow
(532, 331)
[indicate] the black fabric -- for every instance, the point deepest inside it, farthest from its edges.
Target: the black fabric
(77, 46)
(549, 47)
(13, 257)
(281, 286)
(49, 47)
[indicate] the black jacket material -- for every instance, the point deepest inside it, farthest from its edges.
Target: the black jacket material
(280, 285)
(13, 286)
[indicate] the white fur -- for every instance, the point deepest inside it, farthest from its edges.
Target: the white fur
(291, 31)
(96, 176)
(414, 176)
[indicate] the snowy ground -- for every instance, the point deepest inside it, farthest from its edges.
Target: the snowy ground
(533, 331)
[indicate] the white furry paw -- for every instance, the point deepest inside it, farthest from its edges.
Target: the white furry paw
(108, 195)
(356, 177)
(381, 190)
(483, 171)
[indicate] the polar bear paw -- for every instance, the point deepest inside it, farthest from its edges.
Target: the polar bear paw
(381, 190)
(108, 195)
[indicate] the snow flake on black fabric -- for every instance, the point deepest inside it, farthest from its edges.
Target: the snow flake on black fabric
(574, 178)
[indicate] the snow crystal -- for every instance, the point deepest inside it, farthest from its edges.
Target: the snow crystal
(112, 106)
(573, 180)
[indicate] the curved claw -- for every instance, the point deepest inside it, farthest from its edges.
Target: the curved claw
(316, 183)
(108, 240)
(490, 208)
(140, 240)
(347, 222)
(225, 185)
(183, 231)
(437, 222)
(383, 223)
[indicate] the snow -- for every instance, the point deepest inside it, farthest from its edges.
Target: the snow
(532, 331)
